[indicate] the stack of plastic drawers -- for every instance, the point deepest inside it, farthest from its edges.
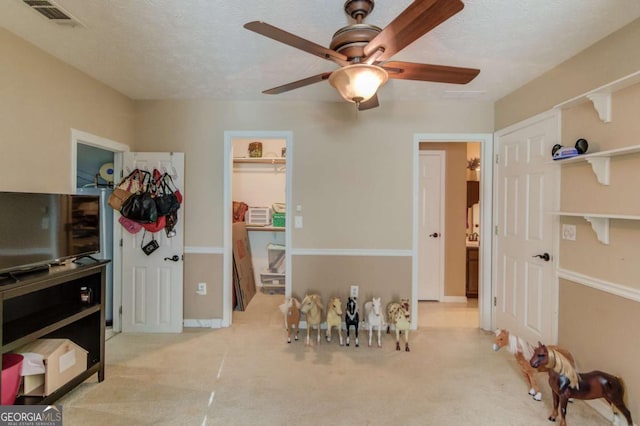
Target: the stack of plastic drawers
(273, 276)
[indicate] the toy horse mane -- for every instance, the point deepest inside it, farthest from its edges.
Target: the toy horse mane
(517, 344)
(561, 365)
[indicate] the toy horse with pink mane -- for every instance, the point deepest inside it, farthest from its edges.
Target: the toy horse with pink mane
(522, 351)
(291, 310)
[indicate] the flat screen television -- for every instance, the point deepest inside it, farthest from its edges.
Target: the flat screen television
(41, 229)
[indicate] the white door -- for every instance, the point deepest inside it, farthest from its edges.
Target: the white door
(431, 225)
(526, 181)
(152, 289)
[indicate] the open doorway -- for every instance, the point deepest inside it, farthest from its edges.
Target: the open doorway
(96, 164)
(257, 172)
(459, 231)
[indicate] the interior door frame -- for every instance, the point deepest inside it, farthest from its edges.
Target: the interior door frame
(85, 138)
(485, 290)
(227, 268)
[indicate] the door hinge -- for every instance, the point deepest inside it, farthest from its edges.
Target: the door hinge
(120, 310)
(121, 244)
(496, 230)
(497, 158)
(495, 301)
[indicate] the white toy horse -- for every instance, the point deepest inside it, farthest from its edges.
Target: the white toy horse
(311, 307)
(334, 317)
(291, 310)
(375, 318)
(398, 315)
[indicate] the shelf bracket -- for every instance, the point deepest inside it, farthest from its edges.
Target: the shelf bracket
(602, 104)
(600, 166)
(600, 226)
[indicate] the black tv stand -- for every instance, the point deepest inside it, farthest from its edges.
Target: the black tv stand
(48, 305)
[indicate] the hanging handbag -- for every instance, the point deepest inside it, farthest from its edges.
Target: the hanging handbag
(141, 207)
(166, 200)
(128, 186)
(131, 226)
(151, 246)
(156, 226)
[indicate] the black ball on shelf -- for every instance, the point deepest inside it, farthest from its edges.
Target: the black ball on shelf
(582, 145)
(555, 148)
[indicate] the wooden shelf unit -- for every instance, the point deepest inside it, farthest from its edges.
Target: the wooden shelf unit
(47, 305)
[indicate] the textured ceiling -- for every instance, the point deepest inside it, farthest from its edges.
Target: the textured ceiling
(156, 49)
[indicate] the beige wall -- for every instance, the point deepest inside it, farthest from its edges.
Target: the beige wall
(352, 173)
(455, 215)
(600, 330)
(607, 60)
(202, 268)
(41, 99)
(387, 277)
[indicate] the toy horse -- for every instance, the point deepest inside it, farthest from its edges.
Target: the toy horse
(291, 310)
(399, 316)
(566, 383)
(311, 307)
(352, 318)
(334, 317)
(374, 317)
(522, 351)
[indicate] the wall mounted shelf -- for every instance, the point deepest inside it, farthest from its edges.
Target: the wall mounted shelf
(261, 160)
(599, 222)
(601, 96)
(600, 161)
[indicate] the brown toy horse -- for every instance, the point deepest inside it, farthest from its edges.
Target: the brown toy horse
(566, 383)
(522, 351)
(291, 310)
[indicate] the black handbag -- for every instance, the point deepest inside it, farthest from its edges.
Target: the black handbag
(141, 206)
(166, 200)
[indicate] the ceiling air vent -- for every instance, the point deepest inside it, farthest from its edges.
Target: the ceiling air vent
(52, 12)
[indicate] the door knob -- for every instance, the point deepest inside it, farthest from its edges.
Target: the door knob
(434, 235)
(173, 258)
(543, 256)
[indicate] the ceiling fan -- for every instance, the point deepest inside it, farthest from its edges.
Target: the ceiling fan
(363, 51)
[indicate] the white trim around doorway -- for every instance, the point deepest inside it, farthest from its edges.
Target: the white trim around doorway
(227, 279)
(486, 201)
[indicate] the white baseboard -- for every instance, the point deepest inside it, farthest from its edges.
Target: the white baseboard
(604, 409)
(454, 299)
(203, 323)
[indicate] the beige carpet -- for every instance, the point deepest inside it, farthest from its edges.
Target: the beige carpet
(249, 375)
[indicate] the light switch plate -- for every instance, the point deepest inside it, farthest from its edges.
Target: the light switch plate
(297, 221)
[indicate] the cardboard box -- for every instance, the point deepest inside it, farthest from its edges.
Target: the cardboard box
(63, 360)
(243, 278)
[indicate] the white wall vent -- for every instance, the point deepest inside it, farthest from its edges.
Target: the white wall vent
(52, 12)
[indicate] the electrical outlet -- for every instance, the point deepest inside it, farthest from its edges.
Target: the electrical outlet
(568, 232)
(202, 289)
(297, 221)
(354, 291)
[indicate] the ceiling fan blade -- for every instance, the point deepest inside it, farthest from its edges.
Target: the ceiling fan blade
(415, 21)
(297, 84)
(369, 104)
(427, 72)
(293, 40)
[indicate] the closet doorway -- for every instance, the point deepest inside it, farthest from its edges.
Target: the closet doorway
(257, 175)
(94, 158)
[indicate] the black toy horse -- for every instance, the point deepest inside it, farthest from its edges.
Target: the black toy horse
(351, 317)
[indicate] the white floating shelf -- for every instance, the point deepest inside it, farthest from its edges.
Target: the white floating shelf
(599, 222)
(600, 161)
(601, 96)
(261, 160)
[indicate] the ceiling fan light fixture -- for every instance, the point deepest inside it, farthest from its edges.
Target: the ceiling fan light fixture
(359, 82)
